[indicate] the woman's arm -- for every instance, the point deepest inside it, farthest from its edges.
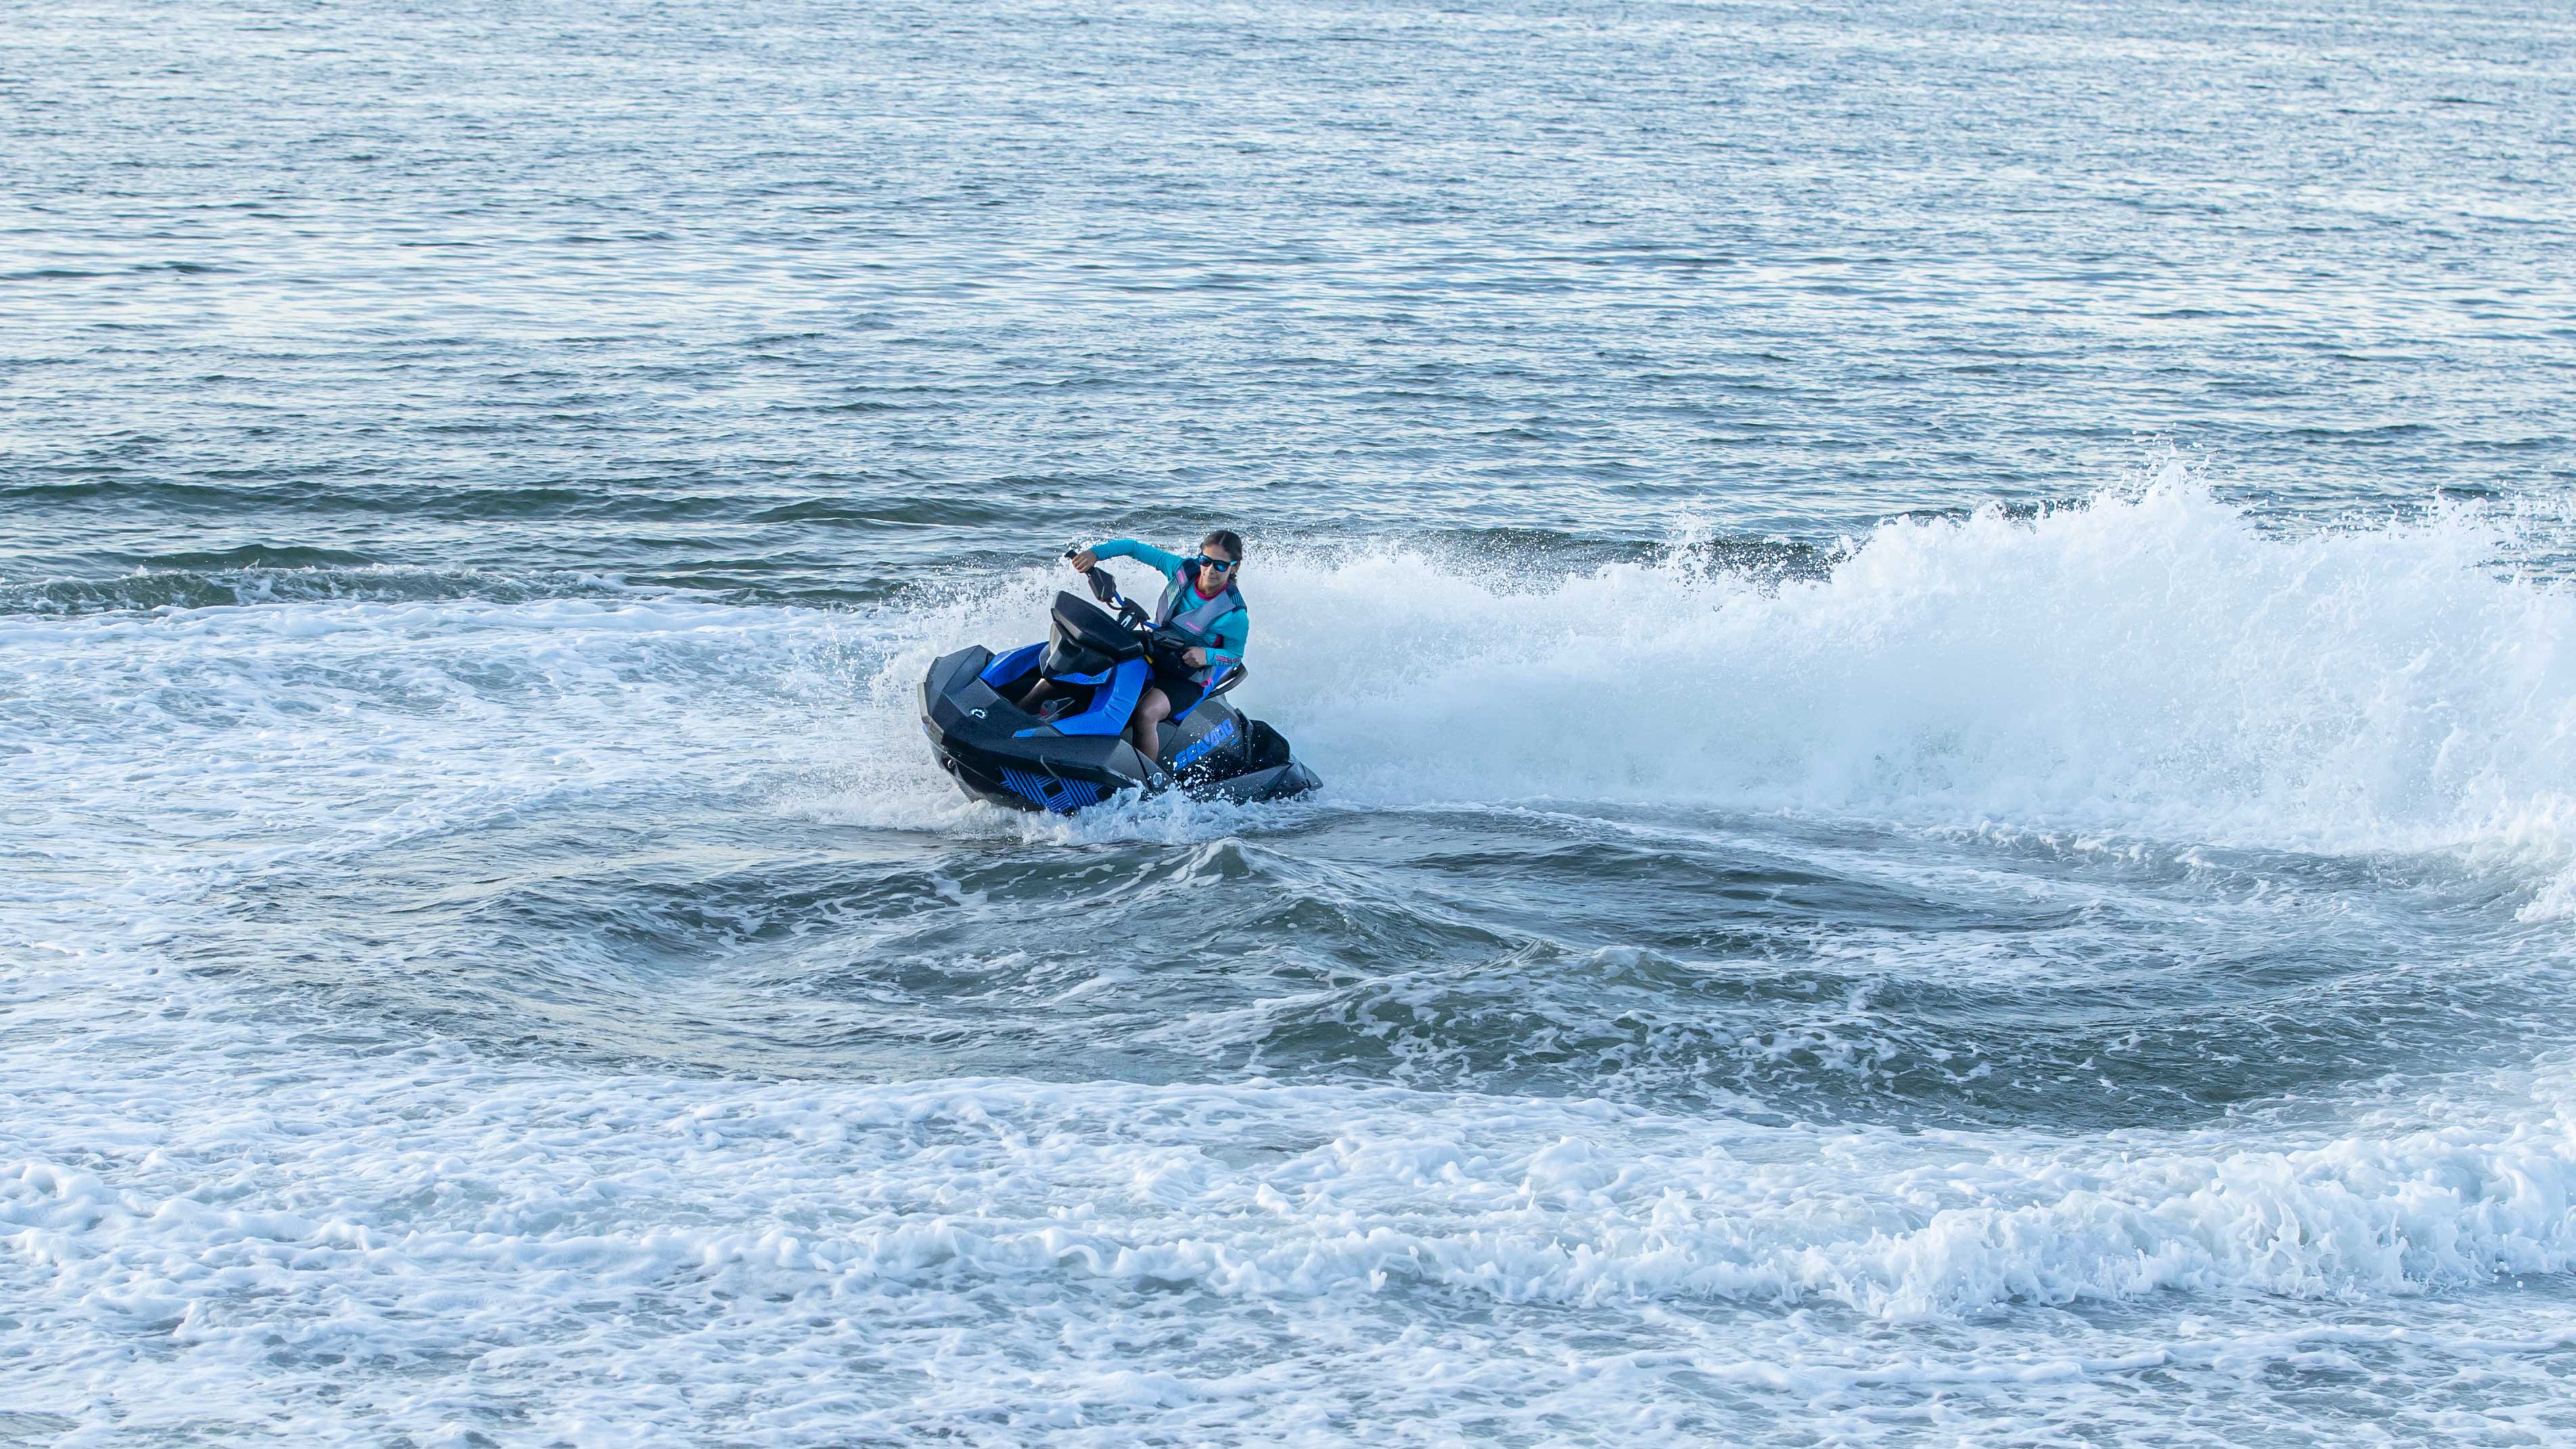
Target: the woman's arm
(1169, 563)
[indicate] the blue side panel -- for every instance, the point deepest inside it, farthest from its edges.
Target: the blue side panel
(1063, 797)
(1012, 665)
(1111, 706)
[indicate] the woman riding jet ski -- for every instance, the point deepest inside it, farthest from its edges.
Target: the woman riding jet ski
(1068, 723)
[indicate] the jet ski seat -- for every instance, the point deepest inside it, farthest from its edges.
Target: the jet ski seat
(1097, 661)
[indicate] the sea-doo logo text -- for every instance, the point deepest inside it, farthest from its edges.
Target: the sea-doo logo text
(977, 713)
(1215, 737)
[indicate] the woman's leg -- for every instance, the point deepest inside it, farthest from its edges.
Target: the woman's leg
(1145, 731)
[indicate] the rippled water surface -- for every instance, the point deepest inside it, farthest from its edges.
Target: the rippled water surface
(1940, 640)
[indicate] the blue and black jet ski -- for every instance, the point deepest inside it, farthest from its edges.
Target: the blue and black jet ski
(1074, 753)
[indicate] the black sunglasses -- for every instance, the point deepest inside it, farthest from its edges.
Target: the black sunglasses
(1218, 564)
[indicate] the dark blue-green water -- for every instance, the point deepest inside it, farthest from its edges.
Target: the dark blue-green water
(1939, 638)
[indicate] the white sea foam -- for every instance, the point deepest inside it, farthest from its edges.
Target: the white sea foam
(2145, 662)
(563, 1235)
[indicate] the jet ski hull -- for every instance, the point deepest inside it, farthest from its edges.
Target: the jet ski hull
(998, 752)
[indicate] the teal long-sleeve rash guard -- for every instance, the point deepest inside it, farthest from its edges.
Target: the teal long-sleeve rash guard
(1224, 639)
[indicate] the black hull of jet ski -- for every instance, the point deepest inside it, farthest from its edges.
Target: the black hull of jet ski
(998, 752)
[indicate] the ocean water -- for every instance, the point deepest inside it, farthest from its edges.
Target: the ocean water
(1941, 640)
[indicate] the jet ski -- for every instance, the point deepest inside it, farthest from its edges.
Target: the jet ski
(1075, 753)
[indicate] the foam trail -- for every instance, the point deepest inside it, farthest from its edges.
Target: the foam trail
(2151, 663)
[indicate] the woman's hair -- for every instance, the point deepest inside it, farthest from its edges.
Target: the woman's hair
(1227, 539)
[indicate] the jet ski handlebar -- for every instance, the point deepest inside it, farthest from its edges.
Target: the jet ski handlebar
(1104, 587)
